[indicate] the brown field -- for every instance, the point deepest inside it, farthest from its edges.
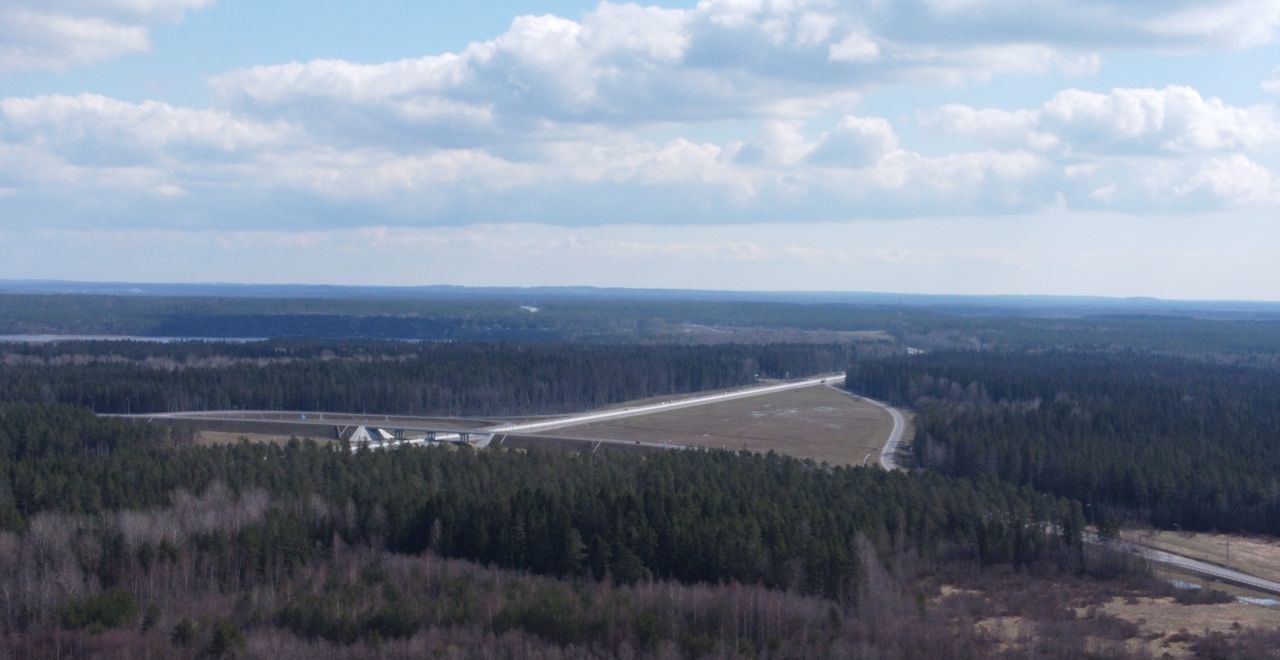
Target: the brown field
(1163, 622)
(1258, 556)
(1028, 615)
(210, 438)
(816, 422)
(306, 420)
(1163, 625)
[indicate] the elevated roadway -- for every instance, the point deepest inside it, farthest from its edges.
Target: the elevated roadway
(1195, 566)
(541, 426)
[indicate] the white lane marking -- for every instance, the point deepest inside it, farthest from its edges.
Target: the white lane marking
(588, 418)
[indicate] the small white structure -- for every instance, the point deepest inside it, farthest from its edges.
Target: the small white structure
(370, 436)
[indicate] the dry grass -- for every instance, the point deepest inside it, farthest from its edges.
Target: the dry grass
(304, 419)
(1163, 622)
(1029, 615)
(212, 438)
(816, 422)
(1258, 556)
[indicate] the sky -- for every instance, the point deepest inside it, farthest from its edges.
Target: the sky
(1080, 147)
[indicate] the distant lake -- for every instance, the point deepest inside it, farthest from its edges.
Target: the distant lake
(49, 339)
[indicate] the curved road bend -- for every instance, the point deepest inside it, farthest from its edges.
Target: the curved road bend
(891, 443)
(887, 460)
(1188, 564)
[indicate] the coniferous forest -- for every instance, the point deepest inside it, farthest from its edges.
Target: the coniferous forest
(121, 538)
(112, 525)
(1168, 441)
(469, 379)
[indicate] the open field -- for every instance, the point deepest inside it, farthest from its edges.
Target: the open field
(815, 422)
(1164, 624)
(1258, 556)
(303, 418)
(227, 427)
(1024, 613)
(211, 438)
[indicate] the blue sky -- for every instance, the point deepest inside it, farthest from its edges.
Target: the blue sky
(945, 146)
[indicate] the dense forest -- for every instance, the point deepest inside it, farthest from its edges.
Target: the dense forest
(120, 538)
(1200, 332)
(1167, 441)
(111, 525)
(473, 379)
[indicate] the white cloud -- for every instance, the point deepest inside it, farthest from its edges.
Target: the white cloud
(856, 48)
(1236, 180)
(735, 110)
(992, 126)
(98, 129)
(1171, 24)
(781, 143)
(1272, 84)
(723, 59)
(856, 142)
(1174, 120)
(1234, 24)
(150, 163)
(59, 34)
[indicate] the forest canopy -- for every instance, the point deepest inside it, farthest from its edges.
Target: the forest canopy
(1147, 438)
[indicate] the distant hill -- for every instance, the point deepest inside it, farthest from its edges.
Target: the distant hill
(969, 305)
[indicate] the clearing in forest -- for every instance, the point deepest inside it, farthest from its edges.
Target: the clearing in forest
(820, 423)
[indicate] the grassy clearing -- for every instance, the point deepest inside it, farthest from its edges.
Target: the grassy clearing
(211, 438)
(816, 422)
(1166, 626)
(1042, 615)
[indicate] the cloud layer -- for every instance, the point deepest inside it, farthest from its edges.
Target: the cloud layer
(59, 34)
(732, 111)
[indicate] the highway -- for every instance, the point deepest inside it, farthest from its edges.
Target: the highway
(1192, 565)
(635, 411)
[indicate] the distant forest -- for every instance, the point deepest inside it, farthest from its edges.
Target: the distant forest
(472, 379)
(1167, 441)
(1238, 337)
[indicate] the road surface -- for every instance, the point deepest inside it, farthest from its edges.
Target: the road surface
(887, 460)
(525, 428)
(891, 443)
(1192, 565)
